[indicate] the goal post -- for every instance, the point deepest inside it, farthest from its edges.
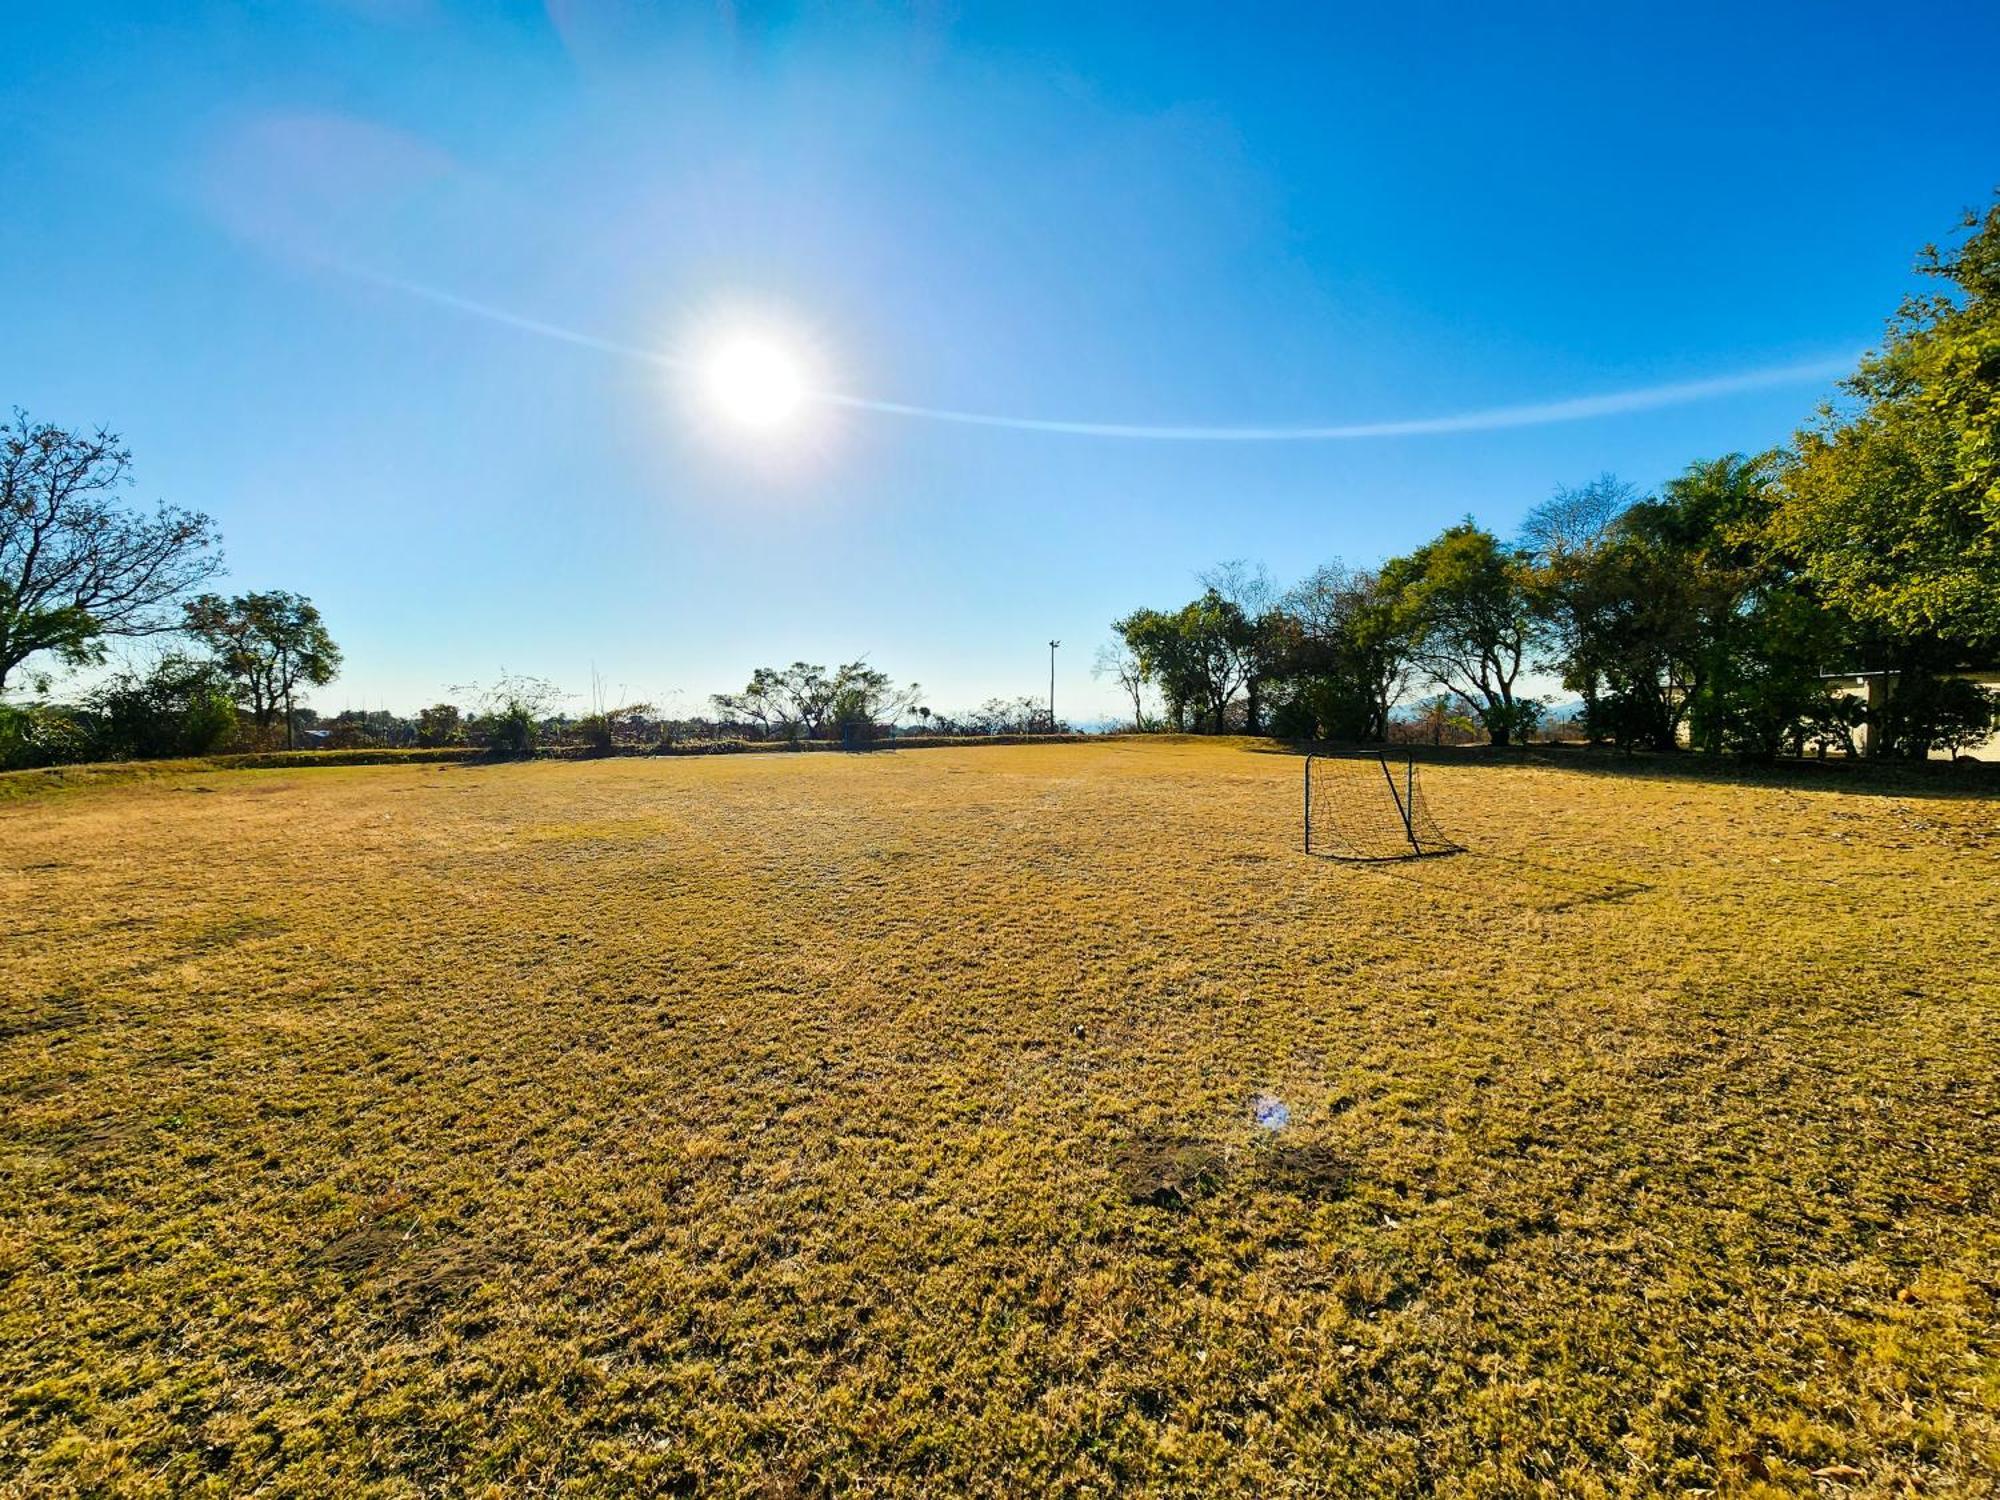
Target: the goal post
(1368, 807)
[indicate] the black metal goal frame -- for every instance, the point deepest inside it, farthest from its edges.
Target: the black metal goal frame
(1411, 834)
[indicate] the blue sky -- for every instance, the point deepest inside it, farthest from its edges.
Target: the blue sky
(220, 219)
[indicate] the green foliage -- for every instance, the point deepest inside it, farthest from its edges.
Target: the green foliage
(1438, 721)
(509, 712)
(270, 644)
(511, 729)
(1341, 655)
(64, 632)
(804, 700)
(1468, 605)
(180, 706)
(33, 735)
(1667, 613)
(1198, 656)
(1892, 507)
(440, 724)
(1928, 713)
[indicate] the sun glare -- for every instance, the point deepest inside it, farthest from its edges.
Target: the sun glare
(754, 383)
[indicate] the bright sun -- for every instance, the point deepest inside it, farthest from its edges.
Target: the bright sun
(754, 383)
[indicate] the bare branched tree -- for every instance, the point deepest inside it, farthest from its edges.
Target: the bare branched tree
(1575, 520)
(1117, 661)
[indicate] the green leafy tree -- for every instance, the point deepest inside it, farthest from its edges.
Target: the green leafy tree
(440, 724)
(76, 567)
(1165, 660)
(270, 644)
(804, 699)
(1198, 656)
(1891, 506)
(1468, 605)
(1567, 537)
(1666, 613)
(783, 701)
(1343, 656)
(1254, 633)
(33, 735)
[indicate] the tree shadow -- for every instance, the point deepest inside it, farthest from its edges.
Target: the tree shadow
(1961, 780)
(1514, 881)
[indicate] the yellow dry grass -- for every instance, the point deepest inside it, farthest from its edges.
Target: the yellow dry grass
(882, 1125)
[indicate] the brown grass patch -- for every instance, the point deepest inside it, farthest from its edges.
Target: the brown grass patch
(880, 1126)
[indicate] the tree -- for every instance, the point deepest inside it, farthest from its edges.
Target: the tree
(179, 706)
(1343, 654)
(1665, 613)
(1468, 606)
(1892, 507)
(807, 699)
(1436, 720)
(1199, 656)
(787, 701)
(1654, 603)
(509, 713)
(1119, 662)
(1165, 659)
(1943, 713)
(1566, 537)
(440, 724)
(76, 567)
(270, 644)
(599, 729)
(862, 695)
(1751, 674)
(1254, 635)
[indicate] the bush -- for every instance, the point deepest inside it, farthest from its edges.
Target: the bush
(1942, 713)
(181, 706)
(511, 729)
(34, 735)
(440, 725)
(1515, 723)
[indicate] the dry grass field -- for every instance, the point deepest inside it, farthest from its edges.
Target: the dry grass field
(796, 1125)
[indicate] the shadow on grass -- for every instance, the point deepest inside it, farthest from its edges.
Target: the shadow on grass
(1507, 879)
(1965, 779)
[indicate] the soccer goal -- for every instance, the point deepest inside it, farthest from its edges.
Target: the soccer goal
(1369, 807)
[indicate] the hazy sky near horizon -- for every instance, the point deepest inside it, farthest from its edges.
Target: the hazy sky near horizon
(395, 289)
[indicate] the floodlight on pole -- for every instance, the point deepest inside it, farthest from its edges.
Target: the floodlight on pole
(1052, 685)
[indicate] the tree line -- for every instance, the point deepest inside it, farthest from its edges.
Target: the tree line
(1711, 614)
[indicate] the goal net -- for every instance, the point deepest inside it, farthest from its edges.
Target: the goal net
(1369, 807)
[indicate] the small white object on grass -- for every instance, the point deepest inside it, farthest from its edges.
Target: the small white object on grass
(1270, 1112)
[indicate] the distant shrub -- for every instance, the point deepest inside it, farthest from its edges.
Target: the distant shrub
(180, 706)
(511, 729)
(34, 735)
(440, 725)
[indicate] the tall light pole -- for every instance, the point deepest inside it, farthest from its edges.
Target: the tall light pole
(1052, 685)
